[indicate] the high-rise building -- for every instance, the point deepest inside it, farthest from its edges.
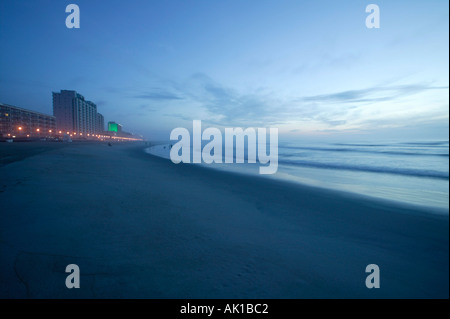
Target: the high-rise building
(16, 121)
(76, 115)
(100, 123)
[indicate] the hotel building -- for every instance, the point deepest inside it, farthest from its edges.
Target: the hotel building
(100, 122)
(76, 115)
(19, 122)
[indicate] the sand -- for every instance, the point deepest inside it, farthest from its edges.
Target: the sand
(139, 226)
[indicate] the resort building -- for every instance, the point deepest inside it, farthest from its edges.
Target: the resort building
(100, 122)
(18, 122)
(75, 115)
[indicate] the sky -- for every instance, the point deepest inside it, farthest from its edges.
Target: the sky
(309, 68)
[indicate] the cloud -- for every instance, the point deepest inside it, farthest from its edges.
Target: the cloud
(227, 106)
(148, 108)
(158, 94)
(179, 116)
(202, 97)
(336, 122)
(326, 61)
(374, 94)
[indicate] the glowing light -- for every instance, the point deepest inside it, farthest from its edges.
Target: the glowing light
(67, 132)
(20, 128)
(49, 131)
(28, 135)
(60, 132)
(37, 130)
(113, 127)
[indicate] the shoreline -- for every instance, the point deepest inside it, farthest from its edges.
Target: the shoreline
(142, 227)
(296, 183)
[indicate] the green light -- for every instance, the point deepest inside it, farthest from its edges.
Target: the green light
(112, 127)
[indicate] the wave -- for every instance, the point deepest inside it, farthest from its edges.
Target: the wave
(435, 143)
(443, 143)
(352, 150)
(371, 169)
(364, 145)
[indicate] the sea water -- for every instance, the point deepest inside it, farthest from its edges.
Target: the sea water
(414, 172)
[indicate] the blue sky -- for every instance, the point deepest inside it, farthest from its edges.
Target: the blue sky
(310, 68)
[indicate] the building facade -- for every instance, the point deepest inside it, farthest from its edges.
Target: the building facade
(19, 122)
(100, 123)
(76, 115)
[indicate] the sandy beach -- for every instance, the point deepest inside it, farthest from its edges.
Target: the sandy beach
(139, 226)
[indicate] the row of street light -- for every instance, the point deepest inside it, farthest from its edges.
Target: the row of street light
(75, 134)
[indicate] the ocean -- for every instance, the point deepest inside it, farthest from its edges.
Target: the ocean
(413, 172)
